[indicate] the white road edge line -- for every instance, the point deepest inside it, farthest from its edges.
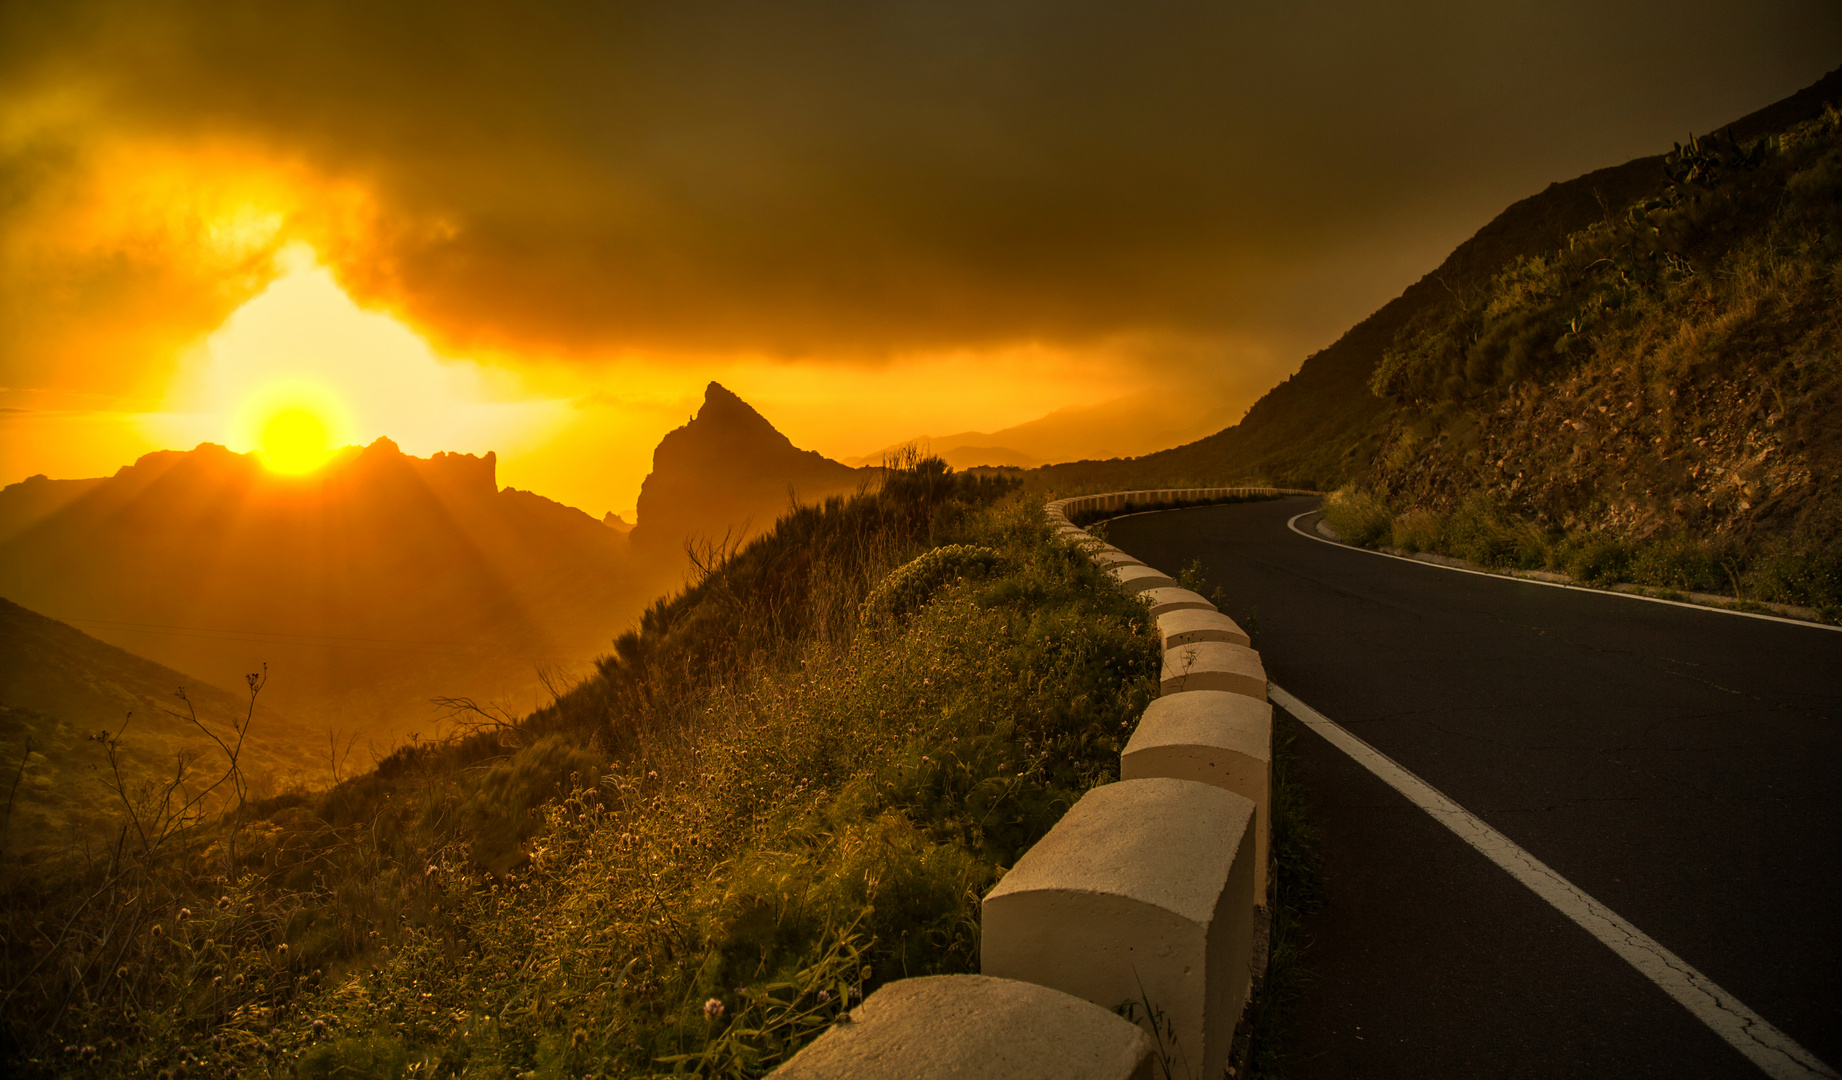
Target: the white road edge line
(1749, 1033)
(1293, 525)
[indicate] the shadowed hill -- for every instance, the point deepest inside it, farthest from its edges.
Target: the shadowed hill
(729, 473)
(368, 587)
(59, 688)
(1323, 426)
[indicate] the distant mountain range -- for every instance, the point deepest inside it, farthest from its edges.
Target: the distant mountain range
(368, 587)
(1132, 425)
(385, 580)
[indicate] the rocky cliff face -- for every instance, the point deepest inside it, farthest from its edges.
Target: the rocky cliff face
(729, 473)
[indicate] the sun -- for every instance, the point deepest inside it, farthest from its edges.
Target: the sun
(295, 440)
(294, 425)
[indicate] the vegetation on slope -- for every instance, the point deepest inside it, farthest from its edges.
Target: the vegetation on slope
(1322, 427)
(770, 798)
(1652, 401)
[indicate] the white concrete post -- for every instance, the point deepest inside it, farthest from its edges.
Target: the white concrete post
(1184, 626)
(1214, 665)
(1211, 737)
(1172, 598)
(1142, 893)
(1136, 579)
(971, 1027)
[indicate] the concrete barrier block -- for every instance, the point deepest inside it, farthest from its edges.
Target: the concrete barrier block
(1171, 598)
(1186, 626)
(1136, 579)
(1214, 665)
(1142, 893)
(966, 1027)
(1108, 557)
(1211, 737)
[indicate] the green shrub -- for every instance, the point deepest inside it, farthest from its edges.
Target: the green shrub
(1596, 559)
(912, 584)
(1810, 577)
(1357, 517)
(1682, 562)
(1481, 531)
(1418, 530)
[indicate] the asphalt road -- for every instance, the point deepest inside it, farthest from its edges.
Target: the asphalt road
(1684, 767)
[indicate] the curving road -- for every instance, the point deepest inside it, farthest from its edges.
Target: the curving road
(1682, 766)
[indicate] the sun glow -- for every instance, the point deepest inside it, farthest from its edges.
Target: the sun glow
(295, 425)
(300, 371)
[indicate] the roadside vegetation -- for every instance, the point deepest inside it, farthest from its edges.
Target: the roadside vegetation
(790, 784)
(1670, 565)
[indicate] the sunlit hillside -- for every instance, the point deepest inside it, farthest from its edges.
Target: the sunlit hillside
(788, 786)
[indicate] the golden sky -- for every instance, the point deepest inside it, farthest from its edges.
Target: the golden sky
(541, 229)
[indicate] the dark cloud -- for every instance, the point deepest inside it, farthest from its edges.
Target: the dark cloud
(840, 177)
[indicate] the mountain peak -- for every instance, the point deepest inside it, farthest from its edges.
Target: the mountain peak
(728, 467)
(727, 419)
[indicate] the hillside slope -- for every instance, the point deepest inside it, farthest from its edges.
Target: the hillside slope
(59, 688)
(1323, 427)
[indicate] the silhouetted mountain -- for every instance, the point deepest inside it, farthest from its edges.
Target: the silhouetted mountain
(1323, 426)
(729, 473)
(59, 688)
(369, 586)
(1136, 424)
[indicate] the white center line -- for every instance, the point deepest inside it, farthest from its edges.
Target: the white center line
(1748, 1032)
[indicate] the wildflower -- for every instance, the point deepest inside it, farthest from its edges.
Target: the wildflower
(282, 948)
(158, 930)
(578, 1039)
(652, 774)
(825, 995)
(184, 914)
(713, 1009)
(319, 1027)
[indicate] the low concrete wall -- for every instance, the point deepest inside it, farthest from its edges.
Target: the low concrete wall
(1145, 896)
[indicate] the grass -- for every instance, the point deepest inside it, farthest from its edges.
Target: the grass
(1646, 402)
(1297, 894)
(1793, 570)
(782, 790)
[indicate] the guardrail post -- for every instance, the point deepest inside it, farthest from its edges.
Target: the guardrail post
(1211, 737)
(971, 1027)
(1142, 895)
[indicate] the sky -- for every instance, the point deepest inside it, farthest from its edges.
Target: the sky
(541, 229)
